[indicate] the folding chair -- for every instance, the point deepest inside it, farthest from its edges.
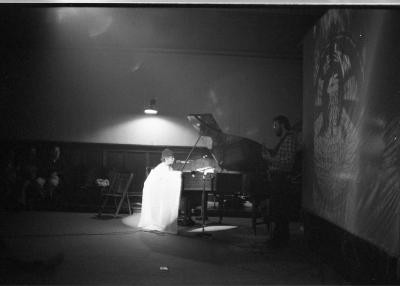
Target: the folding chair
(133, 195)
(118, 191)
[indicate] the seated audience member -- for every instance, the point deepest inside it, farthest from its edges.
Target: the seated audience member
(9, 180)
(52, 176)
(29, 174)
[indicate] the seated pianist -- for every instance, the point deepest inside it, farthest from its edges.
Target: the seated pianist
(161, 194)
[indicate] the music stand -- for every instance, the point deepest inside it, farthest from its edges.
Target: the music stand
(206, 125)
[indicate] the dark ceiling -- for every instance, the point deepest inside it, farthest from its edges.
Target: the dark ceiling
(259, 31)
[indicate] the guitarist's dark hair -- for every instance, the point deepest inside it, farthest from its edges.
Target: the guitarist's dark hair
(282, 119)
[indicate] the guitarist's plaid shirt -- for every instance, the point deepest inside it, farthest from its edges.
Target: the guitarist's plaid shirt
(286, 153)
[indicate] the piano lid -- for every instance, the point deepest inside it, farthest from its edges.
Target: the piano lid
(205, 124)
(230, 151)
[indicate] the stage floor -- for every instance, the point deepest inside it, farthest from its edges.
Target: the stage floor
(78, 248)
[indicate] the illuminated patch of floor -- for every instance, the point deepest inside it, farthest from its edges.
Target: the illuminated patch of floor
(210, 228)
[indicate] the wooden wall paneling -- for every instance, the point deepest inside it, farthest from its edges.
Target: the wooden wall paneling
(135, 162)
(93, 158)
(73, 158)
(104, 158)
(147, 163)
(154, 159)
(92, 164)
(115, 160)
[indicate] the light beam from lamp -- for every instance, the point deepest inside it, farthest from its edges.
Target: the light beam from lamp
(151, 108)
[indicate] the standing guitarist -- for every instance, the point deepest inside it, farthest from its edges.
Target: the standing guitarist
(281, 160)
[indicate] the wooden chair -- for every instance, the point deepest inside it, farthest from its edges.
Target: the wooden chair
(133, 195)
(118, 190)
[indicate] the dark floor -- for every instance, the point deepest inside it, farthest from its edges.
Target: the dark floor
(78, 248)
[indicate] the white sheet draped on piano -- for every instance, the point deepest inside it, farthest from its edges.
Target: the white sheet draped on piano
(160, 201)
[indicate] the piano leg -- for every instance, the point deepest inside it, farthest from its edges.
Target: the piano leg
(185, 211)
(254, 211)
(221, 198)
(204, 200)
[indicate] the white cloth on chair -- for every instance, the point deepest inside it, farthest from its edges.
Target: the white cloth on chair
(160, 201)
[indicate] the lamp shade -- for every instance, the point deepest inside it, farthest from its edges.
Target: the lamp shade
(151, 108)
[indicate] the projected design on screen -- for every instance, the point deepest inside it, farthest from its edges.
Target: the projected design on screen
(337, 79)
(378, 199)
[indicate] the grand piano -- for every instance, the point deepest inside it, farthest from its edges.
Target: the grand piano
(234, 165)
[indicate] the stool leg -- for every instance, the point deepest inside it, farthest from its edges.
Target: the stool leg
(102, 206)
(254, 216)
(129, 205)
(119, 205)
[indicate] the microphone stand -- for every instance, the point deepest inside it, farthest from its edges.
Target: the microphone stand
(203, 207)
(190, 153)
(203, 195)
(183, 167)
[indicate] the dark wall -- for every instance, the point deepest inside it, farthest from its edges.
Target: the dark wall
(85, 74)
